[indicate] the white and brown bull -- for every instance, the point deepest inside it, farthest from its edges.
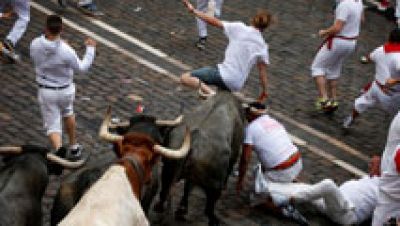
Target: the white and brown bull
(113, 199)
(217, 133)
(23, 180)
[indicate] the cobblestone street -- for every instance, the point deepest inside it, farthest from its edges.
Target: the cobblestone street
(121, 69)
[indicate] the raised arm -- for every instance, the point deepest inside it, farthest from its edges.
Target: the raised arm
(84, 64)
(208, 19)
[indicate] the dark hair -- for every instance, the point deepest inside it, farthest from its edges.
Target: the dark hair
(54, 24)
(395, 36)
(262, 20)
(255, 105)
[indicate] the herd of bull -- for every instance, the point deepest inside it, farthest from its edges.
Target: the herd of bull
(203, 147)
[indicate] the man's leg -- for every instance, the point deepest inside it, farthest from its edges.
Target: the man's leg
(326, 189)
(201, 25)
(21, 8)
(218, 7)
(332, 89)
(70, 126)
(55, 140)
(397, 12)
(188, 80)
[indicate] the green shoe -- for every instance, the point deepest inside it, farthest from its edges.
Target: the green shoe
(320, 104)
(331, 106)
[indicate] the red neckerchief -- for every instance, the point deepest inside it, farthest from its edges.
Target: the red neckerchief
(391, 47)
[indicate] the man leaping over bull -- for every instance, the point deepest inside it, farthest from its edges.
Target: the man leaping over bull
(246, 47)
(280, 158)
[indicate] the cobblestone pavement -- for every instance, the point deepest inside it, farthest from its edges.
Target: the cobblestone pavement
(167, 26)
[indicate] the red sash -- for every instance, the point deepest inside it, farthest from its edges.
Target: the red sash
(329, 40)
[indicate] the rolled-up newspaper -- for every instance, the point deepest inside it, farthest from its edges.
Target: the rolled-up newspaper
(9, 54)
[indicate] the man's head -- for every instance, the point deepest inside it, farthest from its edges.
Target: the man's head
(261, 20)
(374, 166)
(54, 25)
(394, 36)
(254, 110)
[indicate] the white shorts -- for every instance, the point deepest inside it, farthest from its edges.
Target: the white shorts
(383, 212)
(375, 96)
(286, 175)
(329, 62)
(55, 104)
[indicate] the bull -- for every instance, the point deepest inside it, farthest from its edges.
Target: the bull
(217, 134)
(23, 180)
(113, 199)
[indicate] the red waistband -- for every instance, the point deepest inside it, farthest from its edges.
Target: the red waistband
(329, 40)
(289, 162)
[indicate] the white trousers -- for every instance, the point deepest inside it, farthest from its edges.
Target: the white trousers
(375, 96)
(54, 105)
(22, 9)
(383, 212)
(328, 62)
(325, 195)
(397, 11)
(202, 5)
(84, 2)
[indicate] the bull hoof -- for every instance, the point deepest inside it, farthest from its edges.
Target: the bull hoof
(180, 214)
(214, 222)
(158, 208)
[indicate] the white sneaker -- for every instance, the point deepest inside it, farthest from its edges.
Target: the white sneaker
(348, 121)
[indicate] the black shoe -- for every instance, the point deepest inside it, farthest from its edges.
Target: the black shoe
(75, 152)
(293, 214)
(8, 52)
(62, 3)
(201, 43)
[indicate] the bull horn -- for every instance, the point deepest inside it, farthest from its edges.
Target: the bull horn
(175, 122)
(65, 163)
(175, 154)
(119, 124)
(104, 133)
(10, 150)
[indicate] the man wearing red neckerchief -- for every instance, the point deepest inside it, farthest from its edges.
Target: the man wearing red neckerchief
(382, 91)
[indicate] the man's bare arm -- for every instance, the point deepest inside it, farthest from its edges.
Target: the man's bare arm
(262, 69)
(332, 30)
(208, 19)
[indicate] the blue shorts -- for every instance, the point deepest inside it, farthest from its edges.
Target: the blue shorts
(210, 76)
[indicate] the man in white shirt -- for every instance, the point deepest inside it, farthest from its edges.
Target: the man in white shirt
(246, 47)
(279, 157)
(353, 202)
(22, 9)
(340, 42)
(212, 8)
(55, 63)
(380, 91)
(389, 185)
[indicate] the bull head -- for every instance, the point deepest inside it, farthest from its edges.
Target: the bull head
(166, 152)
(49, 156)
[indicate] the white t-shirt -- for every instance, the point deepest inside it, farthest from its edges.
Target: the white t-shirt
(246, 47)
(350, 12)
(363, 194)
(270, 140)
(389, 186)
(386, 64)
(55, 61)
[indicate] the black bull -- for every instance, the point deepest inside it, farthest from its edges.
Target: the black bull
(23, 180)
(75, 185)
(217, 134)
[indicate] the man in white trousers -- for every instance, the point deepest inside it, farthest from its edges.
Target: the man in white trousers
(55, 63)
(22, 9)
(389, 186)
(212, 8)
(340, 42)
(87, 6)
(381, 91)
(353, 202)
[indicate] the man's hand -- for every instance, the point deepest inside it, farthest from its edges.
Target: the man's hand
(7, 15)
(322, 33)
(188, 5)
(90, 42)
(391, 82)
(263, 96)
